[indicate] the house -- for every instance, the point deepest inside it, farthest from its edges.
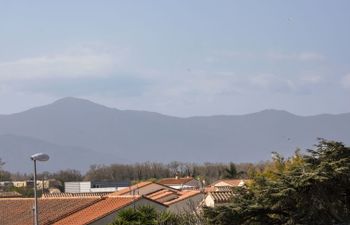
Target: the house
(93, 186)
(221, 193)
(104, 211)
(187, 201)
(4, 184)
(24, 183)
(176, 200)
(217, 198)
(230, 183)
(164, 195)
(30, 183)
(181, 183)
(19, 211)
(142, 188)
(74, 195)
(93, 210)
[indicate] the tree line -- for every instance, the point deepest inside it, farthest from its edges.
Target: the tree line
(133, 173)
(145, 171)
(305, 189)
(310, 188)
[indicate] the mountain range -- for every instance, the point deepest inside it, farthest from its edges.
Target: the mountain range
(77, 133)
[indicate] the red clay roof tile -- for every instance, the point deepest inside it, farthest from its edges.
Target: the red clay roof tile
(97, 211)
(18, 211)
(175, 181)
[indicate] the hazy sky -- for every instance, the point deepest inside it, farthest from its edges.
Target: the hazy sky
(183, 58)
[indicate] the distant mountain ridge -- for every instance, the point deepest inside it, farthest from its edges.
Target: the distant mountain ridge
(89, 133)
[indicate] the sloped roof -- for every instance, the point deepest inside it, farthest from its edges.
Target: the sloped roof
(158, 195)
(18, 211)
(217, 188)
(128, 190)
(175, 181)
(221, 196)
(132, 187)
(98, 210)
(183, 195)
(231, 182)
(75, 195)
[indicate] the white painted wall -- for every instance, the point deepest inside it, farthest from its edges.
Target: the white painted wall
(77, 187)
(187, 205)
(209, 201)
(108, 189)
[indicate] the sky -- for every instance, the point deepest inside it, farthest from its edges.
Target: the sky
(177, 57)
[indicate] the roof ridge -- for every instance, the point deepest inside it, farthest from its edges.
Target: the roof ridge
(74, 211)
(130, 203)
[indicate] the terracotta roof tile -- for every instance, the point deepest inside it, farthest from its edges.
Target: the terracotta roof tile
(161, 194)
(75, 195)
(221, 196)
(232, 182)
(18, 211)
(183, 195)
(97, 211)
(209, 189)
(129, 189)
(217, 188)
(175, 181)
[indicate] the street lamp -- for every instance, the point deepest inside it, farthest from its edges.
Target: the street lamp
(37, 157)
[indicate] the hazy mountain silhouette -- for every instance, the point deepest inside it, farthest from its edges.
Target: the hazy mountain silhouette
(16, 152)
(85, 133)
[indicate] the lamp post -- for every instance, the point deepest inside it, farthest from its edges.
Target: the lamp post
(37, 157)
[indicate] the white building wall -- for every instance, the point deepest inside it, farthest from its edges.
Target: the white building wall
(77, 187)
(209, 201)
(110, 189)
(187, 205)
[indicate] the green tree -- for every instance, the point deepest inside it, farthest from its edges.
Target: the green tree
(147, 215)
(1, 164)
(4, 175)
(143, 215)
(232, 173)
(313, 188)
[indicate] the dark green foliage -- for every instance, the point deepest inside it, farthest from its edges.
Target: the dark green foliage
(1, 164)
(4, 175)
(232, 173)
(26, 192)
(312, 189)
(146, 215)
(151, 170)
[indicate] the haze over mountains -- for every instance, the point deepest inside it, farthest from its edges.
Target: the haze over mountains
(77, 133)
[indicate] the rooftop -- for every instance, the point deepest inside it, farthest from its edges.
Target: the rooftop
(175, 181)
(98, 210)
(131, 188)
(232, 182)
(221, 196)
(18, 211)
(183, 195)
(74, 195)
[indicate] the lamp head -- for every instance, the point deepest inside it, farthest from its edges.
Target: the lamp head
(40, 157)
